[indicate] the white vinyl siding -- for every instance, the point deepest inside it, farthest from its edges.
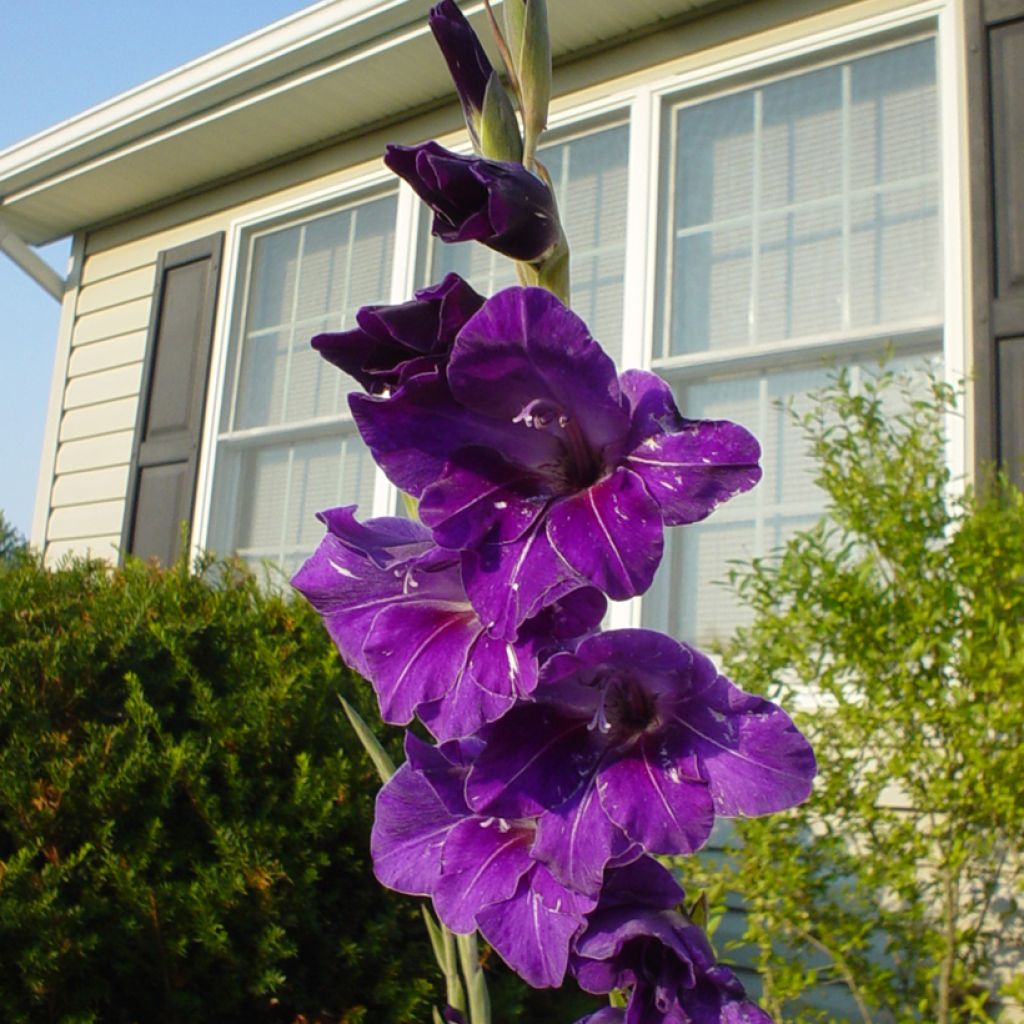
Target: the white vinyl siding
(100, 401)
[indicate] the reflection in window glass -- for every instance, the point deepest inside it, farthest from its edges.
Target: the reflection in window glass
(287, 447)
(589, 174)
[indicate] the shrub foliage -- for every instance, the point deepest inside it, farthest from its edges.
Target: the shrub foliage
(184, 815)
(895, 628)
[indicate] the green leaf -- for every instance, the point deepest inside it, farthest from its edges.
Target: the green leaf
(382, 762)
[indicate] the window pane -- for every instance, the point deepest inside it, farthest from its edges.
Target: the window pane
(266, 497)
(589, 173)
(307, 278)
(806, 207)
(690, 598)
(304, 279)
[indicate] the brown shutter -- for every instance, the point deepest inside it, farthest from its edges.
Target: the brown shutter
(162, 480)
(995, 37)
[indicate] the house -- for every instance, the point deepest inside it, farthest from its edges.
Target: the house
(749, 188)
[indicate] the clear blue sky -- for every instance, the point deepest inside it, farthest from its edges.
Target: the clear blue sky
(58, 58)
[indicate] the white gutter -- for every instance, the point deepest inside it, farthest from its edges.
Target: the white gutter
(31, 262)
(239, 66)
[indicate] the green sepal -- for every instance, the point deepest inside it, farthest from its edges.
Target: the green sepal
(552, 272)
(411, 506)
(533, 67)
(443, 943)
(515, 23)
(497, 129)
(476, 984)
(378, 755)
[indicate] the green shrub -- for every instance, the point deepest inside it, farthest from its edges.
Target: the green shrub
(895, 631)
(185, 813)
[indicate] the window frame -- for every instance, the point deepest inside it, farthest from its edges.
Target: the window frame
(645, 100)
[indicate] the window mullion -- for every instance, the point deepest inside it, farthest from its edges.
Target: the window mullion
(403, 284)
(301, 249)
(641, 231)
(846, 258)
(755, 222)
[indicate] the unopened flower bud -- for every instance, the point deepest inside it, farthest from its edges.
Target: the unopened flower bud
(490, 116)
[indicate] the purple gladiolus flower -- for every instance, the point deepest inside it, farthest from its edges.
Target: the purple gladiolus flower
(665, 959)
(395, 606)
(477, 869)
(639, 734)
(500, 204)
(467, 61)
(543, 465)
(395, 342)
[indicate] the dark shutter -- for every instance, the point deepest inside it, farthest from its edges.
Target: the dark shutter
(168, 432)
(995, 36)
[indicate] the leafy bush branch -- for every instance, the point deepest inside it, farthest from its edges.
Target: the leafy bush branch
(897, 625)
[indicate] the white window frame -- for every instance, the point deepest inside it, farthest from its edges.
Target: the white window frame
(233, 298)
(644, 103)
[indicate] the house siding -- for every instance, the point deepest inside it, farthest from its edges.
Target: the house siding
(112, 307)
(100, 400)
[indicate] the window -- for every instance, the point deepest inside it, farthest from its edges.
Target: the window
(287, 447)
(799, 223)
(804, 222)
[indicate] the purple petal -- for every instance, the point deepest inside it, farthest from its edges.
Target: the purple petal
(481, 863)
(655, 794)
(755, 759)
(435, 658)
(444, 768)
(413, 652)
(409, 830)
(494, 675)
(533, 930)
(643, 883)
(464, 709)
(391, 340)
(611, 534)
(525, 347)
(532, 760)
(467, 61)
(606, 1015)
(652, 406)
(578, 613)
(577, 840)
(480, 497)
(385, 540)
(510, 583)
(349, 586)
(502, 205)
(415, 431)
(690, 472)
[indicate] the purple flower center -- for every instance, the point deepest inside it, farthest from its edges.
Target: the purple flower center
(579, 467)
(626, 708)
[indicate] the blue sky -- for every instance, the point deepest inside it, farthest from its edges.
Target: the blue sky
(58, 58)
